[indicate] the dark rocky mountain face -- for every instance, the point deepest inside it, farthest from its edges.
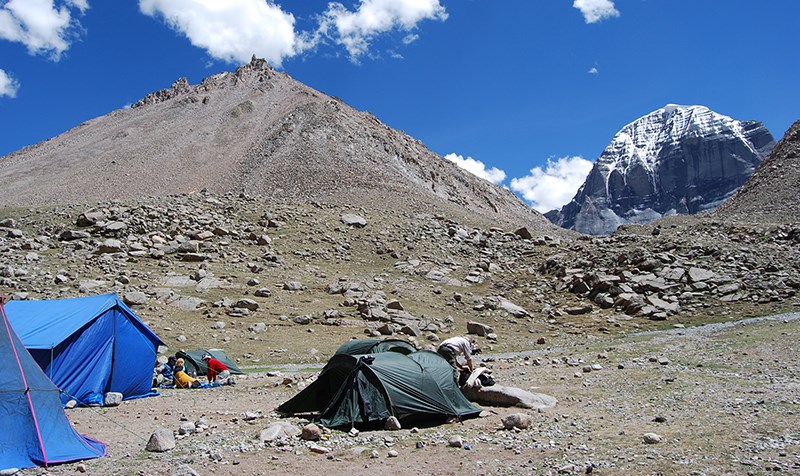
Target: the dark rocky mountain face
(676, 160)
(771, 194)
(254, 131)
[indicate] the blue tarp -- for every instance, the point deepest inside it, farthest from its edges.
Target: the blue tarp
(88, 346)
(35, 430)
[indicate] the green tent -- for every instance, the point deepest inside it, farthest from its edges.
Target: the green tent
(194, 361)
(367, 389)
(374, 346)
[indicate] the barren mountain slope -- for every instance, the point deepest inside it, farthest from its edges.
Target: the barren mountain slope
(254, 131)
(770, 196)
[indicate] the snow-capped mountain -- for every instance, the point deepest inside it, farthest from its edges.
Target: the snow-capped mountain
(675, 160)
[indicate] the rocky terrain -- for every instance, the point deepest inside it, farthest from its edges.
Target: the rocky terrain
(253, 131)
(616, 328)
(676, 160)
(770, 196)
(253, 214)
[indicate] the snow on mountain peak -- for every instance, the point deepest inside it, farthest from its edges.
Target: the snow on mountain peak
(639, 142)
(676, 159)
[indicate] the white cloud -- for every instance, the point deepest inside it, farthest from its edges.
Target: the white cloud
(355, 30)
(555, 186)
(410, 38)
(232, 30)
(593, 71)
(81, 5)
(8, 85)
(41, 25)
(596, 10)
(478, 168)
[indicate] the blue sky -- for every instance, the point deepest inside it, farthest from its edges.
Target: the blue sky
(525, 93)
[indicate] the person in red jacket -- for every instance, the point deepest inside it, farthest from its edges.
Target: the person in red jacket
(217, 371)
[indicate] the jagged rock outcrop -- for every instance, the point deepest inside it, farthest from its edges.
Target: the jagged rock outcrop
(771, 194)
(675, 160)
(253, 131)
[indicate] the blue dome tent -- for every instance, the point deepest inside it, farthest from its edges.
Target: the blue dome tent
(88, 346)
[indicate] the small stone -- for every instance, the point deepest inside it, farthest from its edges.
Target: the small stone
(187, 428)
(112, 399)
(392, 423)
(311, 432)
(455, 441)
(185, 470)
(292, 286)
(651, 438)
(393, 454)
(517, 420)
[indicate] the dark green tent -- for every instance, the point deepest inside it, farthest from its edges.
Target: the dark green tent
(374, 346)
(362, 389)
(194, 361)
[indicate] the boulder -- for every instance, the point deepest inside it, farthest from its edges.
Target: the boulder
(353, 220)
(511, 308)
(110, 246)
(245, 303)
(72, 235)
(160, 441)
(277, 431)
(502, 396)
(523, 233)
(185, 470)
(134, 298)
(479, 329)
(697, 275)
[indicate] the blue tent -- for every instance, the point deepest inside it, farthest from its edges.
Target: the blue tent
(35, 429)
(88, 346)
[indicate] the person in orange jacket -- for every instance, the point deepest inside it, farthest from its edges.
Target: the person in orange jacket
(183, 379)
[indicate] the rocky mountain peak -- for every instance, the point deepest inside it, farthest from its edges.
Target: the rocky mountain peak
(257, 70)
(254, 131)
(675, 160)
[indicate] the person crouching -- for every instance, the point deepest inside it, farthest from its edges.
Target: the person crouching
(217, 371)
(451, 348)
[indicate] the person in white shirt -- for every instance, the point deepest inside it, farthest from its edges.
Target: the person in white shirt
(451, 348)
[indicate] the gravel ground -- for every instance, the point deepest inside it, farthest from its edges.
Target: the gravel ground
(719, 399)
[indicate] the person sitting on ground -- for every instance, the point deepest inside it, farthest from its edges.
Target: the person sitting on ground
(451, 348)
(183, 379)
(164, 373)
(217, 371)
